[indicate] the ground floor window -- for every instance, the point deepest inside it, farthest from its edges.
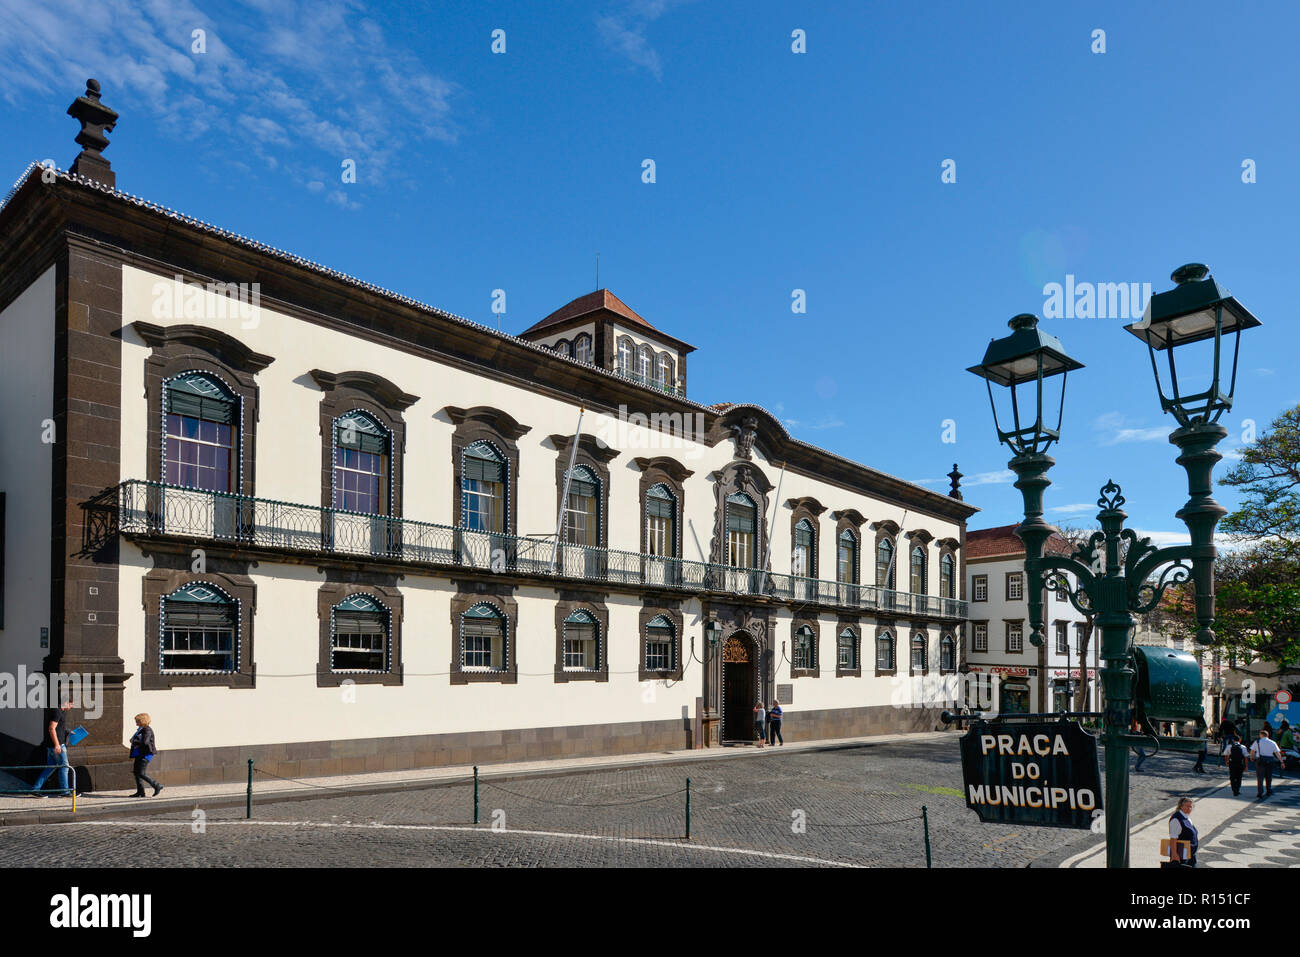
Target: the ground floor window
(581, 642)
(483, 638)
(659, 645)
(360, 636)
(199, 630)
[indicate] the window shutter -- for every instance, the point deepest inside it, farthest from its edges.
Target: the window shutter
(359, 433)
(482, 470)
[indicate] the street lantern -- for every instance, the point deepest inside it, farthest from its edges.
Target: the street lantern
(1198, 309)
(1113, 584)
(1027, 356)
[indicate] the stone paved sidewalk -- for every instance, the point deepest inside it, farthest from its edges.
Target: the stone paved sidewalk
(1234, 831)
(26, 809)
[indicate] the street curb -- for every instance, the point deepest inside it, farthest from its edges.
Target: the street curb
(309, 792)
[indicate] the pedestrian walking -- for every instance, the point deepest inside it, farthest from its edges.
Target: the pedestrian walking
(1267, 755)
(774, 717)
(55, 738)
(1234, 756)
(759, 714)
(1142, 755)
(1183, 839)
(142, 752)
(1285, 735)
(1200, 758)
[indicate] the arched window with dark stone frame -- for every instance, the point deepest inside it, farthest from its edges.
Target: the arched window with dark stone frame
(661, 521)
(803, 557)
(847, 648)
(947, 576)
(885, 651)
(917, 578)
(359, 635)
(918, 649)
(361, 464)
(884, 563)
(742, 531)
(581, 642)
(483, 488)
(846, 566)
(805, 649)
(582, 509)
(199, 627)
(947, 654)
(200, 433)
(483, 639)
(582, 348)
(660, 645)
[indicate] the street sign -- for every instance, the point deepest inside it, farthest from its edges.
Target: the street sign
(1282, 697)
(1039, 775)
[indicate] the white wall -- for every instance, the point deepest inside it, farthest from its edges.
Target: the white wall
(286, 629)
(26, 478)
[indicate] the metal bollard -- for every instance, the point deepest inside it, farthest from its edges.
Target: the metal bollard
(925, 823)
(688, 809)
(248, 797)
(476, 794)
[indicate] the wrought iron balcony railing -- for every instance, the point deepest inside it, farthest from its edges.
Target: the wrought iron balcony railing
(153, 509)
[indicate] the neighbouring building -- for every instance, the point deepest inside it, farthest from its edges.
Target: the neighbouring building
(1006, 672)
(300, 518)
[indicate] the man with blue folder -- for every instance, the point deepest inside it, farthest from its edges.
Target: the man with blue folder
(55, 740)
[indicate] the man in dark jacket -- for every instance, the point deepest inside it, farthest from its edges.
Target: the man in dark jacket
(142, 752)
(55, 739)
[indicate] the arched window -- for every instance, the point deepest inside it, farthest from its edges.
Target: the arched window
(199, 630)
(200, 429)
(361, 450)
(947, 654)
(483, 639)
(847, 565)
(885, 652)
(562, 347)
(624, 357)
(660, 644)
(483, 477)
(848, 650)
(805, 649)
(665, 372)
(918, 570)
(582, 348)
(581, 641)
(918, 653)
(947, 581)
(802, 558)
(582, 509)
(359, 635)
(885, 563)
(742, 524)
(661, 521)
(645, 364)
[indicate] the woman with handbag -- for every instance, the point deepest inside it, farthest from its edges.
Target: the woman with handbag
(142, 752)
(1183, 839)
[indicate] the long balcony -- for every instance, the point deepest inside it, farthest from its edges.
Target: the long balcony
(154, 510)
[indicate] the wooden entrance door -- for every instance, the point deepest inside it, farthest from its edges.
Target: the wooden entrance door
(739, 690)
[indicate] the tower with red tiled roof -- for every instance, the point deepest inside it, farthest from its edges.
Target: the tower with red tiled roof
(601, 329)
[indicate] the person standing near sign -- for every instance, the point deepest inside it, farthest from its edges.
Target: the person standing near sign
(1266, 754)
(760, 713)
(1183, 839)
(1234, 756)
(774, 724)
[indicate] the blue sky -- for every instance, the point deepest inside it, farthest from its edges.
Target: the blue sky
(775, 171)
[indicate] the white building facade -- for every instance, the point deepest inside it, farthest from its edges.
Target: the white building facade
(319, 529)
(1006, 672)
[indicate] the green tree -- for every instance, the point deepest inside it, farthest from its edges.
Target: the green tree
(1269, 476)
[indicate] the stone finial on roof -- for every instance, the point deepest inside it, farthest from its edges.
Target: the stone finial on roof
(956, 483)
(96, 120)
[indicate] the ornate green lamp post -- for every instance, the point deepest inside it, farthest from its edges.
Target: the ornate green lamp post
(1196, 311)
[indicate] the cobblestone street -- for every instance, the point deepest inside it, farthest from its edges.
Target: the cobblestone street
(859, 805)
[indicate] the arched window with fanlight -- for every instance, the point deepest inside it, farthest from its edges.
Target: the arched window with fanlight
(582, 348)
(361, 462)
(199, 626)
(802, 558)
(947, 654)
(562, 347)
(660, 645)
(805, 649)
(947, 578)
(661, 521)
(918, 654)
(625, 357)
(885, 651)
(918, 570)
(359, 629)
(483, 639)
(848, 650)
(582, 508)
(483, 488)
(200, 433)
(885, 563)
(846, 566)
(581, 641)
(645, 363)
(664, 374)
(742, 530)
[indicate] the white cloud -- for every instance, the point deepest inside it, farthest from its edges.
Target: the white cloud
(1075, 509)
(366, 96)
(1115, 427)
(625, 32)
(1000, 477)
